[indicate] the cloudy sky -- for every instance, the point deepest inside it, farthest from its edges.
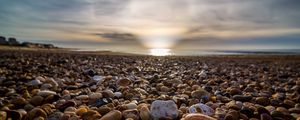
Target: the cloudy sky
(137, 25)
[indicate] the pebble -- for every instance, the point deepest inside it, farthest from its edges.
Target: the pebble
(242, 98)
(103, 110)
(40, 78)
(70, 109)
(101, 102)
(270, 108)
(91, 115)
(14, 115)
(36, 100)
(200, 94)
(36, 112)
(55, 116)
(144, 113)
(294, 110)
(35, 82)
(265, 116)
(289, 103)
(277, 114)
(67, 104)
(45, 93)
(22, 112)
(124, 82)
(262, 101)
(283, 110)
(3, 115)
(46, 86)
(19, 102)
(197, 116)
(132, 113)
(81, 111)
(118, 94)
(108, 94)
(220, 113)
(98, 78)
(262, 110)
(95, 96)
(235, 91)
(201, 108)
(164, 109)
(131, 105)
(52, 82)
(28, 107)
(154, 88)
(112, 115)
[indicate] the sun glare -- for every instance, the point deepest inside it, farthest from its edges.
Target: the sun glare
(160, 52)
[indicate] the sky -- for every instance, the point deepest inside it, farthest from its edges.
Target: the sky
(139, 25)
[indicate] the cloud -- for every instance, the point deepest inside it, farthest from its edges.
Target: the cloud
(201, 21)
(118, 37)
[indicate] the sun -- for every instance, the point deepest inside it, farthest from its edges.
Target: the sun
(160, 52)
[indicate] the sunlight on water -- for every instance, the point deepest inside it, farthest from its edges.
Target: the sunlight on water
(160, 52)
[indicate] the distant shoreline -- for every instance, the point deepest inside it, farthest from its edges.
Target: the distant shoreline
(107, 52)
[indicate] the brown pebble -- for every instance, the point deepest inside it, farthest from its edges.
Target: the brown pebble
(19, 102)
(144, 113)
(197, 116)
(289, 103)
(235, 91)
(103, 110)
(90, 115)
(264, 101)
(36, 112)
(36, 100)
(124, 82)
(265, 116)
(3, 115)
(112, 115)
(14, 115)
(67, 104)
(294, 110)
(132, 113)
(81, 111)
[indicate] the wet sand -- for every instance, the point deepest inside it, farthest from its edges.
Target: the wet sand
(61, 84)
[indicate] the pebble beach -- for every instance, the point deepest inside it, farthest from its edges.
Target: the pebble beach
(39, 85)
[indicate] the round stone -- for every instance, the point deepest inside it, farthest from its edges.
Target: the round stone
(132, 113)
(248, 112)
(144, 113)
(289, 103)
(201, 108)
(197, 116)
(124, 82)
(19, 102)
(103, 110)
(46, 93)
(55, 116)
(35, 82)
(235, 91)
(81, 111)
(200, 94)
(112, 115)
(108, 94)
(36, 100)
(67, 104)
(265, 116)
(164, 109)
(242, 98)
(294, 110)
(262, 101)
(36, 112)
